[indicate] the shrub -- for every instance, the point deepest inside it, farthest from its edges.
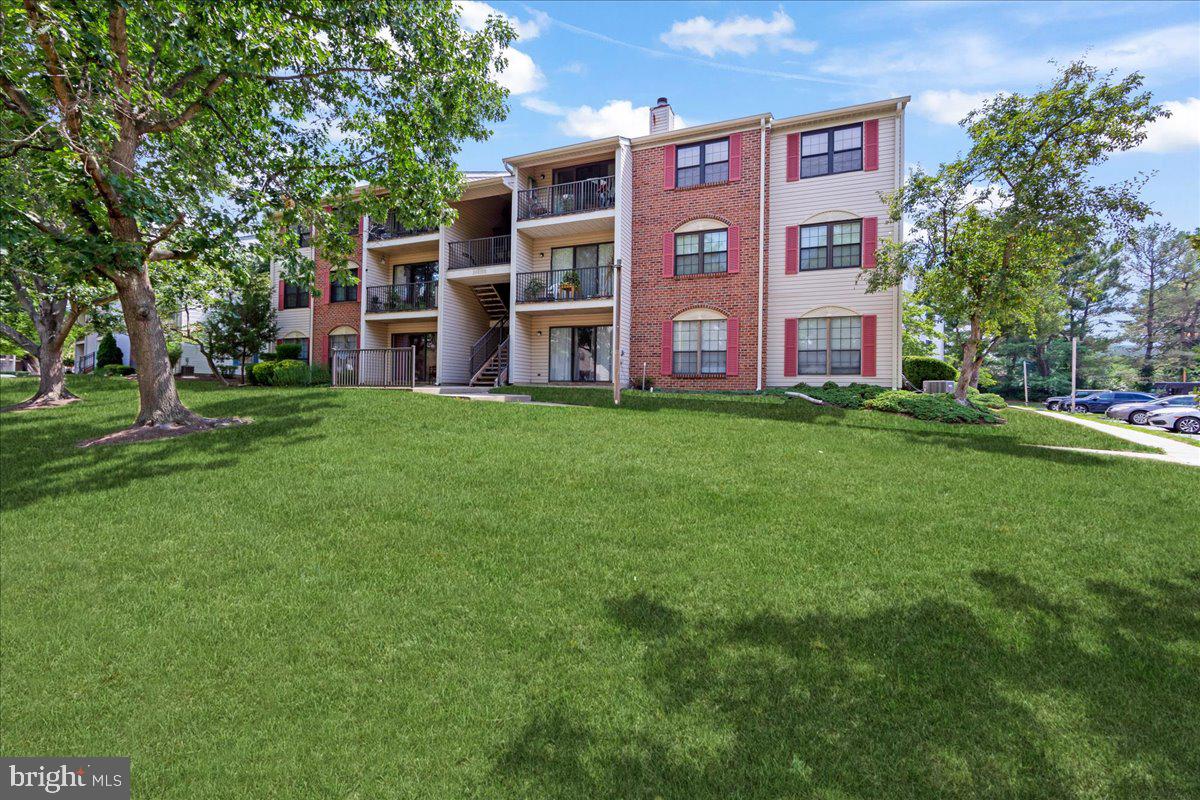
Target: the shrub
(290, 372)
(931, 407)
(287, 351)
(174, 353)
(319, 375)
(262, 373)
(851, 396)
(108, 352)
(988, 400)
(109, 370)
(918, 369)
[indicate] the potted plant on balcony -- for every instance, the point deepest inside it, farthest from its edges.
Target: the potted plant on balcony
(569, 284)
(535, 289)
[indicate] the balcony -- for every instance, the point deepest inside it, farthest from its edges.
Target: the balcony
(560, 285)
(304, 235)
(391, 229)
(418, 296)
(592, 194)
(479, 252)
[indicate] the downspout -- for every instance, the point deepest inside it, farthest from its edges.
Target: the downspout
(898, 345)
(764, 130)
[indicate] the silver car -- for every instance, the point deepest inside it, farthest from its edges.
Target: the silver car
(1181, 418)
(1136, 412)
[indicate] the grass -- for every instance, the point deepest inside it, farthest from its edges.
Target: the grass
(1186, 438)
(381, 594)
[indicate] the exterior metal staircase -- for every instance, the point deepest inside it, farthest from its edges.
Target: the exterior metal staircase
(491, 300)
(489, 357)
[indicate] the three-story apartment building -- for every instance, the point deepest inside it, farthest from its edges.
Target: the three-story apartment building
(725, 256)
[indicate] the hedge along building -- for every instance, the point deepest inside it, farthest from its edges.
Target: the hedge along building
(743, 245)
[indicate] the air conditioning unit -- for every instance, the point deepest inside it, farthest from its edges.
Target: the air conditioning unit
(937, 387)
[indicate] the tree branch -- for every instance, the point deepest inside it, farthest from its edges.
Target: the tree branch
(14, 98)
(19, 339)
(166, 126)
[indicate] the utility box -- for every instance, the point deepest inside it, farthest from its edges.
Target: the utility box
(937, 387)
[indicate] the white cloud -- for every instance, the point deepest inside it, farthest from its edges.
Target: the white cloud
(474, 14)
(950, 106)
(971, 59)
(522, 75)
(742, 35)
(1180, 131)
(614, 118)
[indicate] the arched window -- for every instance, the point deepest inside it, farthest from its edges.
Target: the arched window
(702, 247)
(342, 337)
(699, 343)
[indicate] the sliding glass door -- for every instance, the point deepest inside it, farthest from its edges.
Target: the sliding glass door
(582, 354)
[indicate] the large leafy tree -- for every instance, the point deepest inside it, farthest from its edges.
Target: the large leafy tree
(39, 305)
(162, 128)
(991, 230)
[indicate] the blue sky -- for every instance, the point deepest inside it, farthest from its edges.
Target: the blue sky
(583, 70)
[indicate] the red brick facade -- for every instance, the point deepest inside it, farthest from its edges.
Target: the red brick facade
(656, 299)
(327, 315)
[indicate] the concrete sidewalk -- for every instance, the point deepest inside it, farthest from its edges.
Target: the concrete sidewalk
(1172, 451)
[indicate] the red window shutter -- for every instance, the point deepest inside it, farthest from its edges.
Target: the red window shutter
(735, 157)
(733, 262)
(669, 167)
(282, 291)
(871, 145)
(668, 330)
(789, 348)
(791, 250)
(868, 345)
(668, 255)
(793, 156)
(731, 346)
(870, 241)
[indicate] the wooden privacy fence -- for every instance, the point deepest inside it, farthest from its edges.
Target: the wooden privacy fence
(375, 366)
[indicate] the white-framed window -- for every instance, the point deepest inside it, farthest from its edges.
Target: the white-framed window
(701, 252)
(702, 163)
(699, 347)
(829, 346)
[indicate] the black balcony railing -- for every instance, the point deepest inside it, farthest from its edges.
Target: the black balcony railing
(391, 229)
(592, 194)
(402, 297)
(564, 284)
(480, 252)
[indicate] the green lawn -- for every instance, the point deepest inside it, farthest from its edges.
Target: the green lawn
(380, 594)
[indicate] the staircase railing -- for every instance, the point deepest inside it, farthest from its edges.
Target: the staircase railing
(487, 346)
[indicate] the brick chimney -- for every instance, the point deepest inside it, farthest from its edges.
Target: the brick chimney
(662, 118)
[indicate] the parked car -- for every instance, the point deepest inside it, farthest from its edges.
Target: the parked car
(1100, 402)
(1179, 418)
(1135, 413)
(1060, 402)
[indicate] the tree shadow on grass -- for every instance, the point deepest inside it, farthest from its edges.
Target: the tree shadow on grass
(983, 439)
(1019, 695)
(39, 459)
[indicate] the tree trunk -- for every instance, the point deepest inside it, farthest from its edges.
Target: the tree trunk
(52, 384)
(159, 399)
(972, 360)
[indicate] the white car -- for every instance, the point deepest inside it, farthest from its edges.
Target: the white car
(1135, 413)
(1182, 419)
